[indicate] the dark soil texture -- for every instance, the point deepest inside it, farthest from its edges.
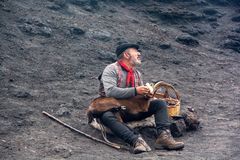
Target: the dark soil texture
(52, 51)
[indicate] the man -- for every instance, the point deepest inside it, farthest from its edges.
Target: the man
(122, 80)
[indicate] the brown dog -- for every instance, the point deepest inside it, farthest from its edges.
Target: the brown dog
(132, 105)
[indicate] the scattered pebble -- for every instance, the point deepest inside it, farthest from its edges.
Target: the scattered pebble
(63, 111)
(22, 94)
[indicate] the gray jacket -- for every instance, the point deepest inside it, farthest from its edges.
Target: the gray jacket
(113, 82)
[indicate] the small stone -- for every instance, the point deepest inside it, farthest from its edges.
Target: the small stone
(212, 19)
(88, 8)
(79, 75)
(63, 111)
(135, 21)
(62, 150)
(86, 91)
(214, 25)
(176, 62)
(22, 94)
(112, 10)
(6, 127)
(27, 28)
(21, 114)
(76, 31)
(45, 31)
(164, 46)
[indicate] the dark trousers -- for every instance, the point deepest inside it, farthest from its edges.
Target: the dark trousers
(157, 108)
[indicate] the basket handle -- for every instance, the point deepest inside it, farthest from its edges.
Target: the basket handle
(167, 86)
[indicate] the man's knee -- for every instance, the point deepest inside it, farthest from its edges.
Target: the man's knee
(158, 105)
(107, 116)
(161, 103)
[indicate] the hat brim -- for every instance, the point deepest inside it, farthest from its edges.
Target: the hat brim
(120, 49)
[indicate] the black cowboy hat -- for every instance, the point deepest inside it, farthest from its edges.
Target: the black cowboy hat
(121, 48)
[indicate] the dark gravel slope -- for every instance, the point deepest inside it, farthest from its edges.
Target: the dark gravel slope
(52, 51)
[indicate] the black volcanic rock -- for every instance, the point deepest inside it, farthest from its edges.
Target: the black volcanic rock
(187, 40)
(236, 19)
(212, 19)
(58, 5)
(164, 45)
(232, 44)
(210, 11)
(214, 25)
(79, 2)
(218, 2)
(224, 2)
(106, 55)
(237, 30)
(99, 34)
(88, 5)
(176, 17)
(193, 30)
(211, 14)
(76, 31)
(234, 37)
(34, 26)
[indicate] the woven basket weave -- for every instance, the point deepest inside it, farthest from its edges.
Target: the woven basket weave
(168, 93)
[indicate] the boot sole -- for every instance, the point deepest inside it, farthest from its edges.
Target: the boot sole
(138, 151)
(159, 146)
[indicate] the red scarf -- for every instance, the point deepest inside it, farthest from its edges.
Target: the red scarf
(130, 75)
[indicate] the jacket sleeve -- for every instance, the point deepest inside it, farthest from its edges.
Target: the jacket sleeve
(109, 79)
(140, 78)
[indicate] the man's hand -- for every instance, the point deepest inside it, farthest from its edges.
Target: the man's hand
(142, 90)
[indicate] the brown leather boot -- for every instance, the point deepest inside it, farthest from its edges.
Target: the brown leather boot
(166, 141)
(140, 146)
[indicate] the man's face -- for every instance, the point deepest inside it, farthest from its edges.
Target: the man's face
(134, 56)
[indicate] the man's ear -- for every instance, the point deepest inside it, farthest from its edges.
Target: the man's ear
(126, 55)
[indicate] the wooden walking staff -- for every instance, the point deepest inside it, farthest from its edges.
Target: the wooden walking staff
(82, 133)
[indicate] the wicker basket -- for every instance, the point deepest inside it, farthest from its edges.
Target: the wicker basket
(168, 93)
(174, 108)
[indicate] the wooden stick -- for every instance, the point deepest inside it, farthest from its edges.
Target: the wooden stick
(80, 132)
